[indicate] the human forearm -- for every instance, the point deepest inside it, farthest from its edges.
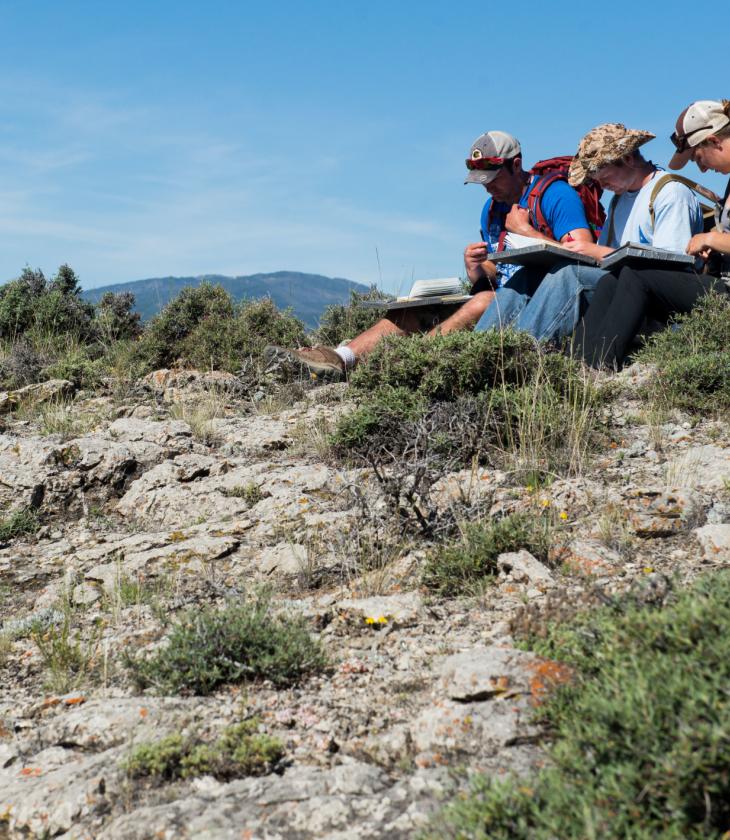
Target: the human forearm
(482, 273)
(702, 244)
(588, 249)
(719, 241)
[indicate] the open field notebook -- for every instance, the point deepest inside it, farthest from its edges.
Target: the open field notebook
(644, 256)
(540, 254)
(446, 291)
(547, 254)
(435, 288)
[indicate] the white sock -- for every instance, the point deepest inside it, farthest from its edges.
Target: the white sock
(347, 356)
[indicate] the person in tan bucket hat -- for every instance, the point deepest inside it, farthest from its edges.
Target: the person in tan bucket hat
(620, 302)
(611, 154)
(604, 145)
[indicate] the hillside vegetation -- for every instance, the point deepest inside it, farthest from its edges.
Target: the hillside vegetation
(307, 295)
(477, 591)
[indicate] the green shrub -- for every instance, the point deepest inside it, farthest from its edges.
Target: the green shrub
(240, 751)
(693, 360)
(52, 307)
(641, 737)
(259, 323)
(497, 397)
(18, 523)
(203, 328)
(115, 319)
(341, 323)
(205, 311)
(460, 567)
(79, 364)
(386, 415)
(445, 367)
(240, 643)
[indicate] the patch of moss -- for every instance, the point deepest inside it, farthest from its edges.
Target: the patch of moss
(239, 751)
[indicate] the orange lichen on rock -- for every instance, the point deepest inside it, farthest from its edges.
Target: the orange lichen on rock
(547, 674)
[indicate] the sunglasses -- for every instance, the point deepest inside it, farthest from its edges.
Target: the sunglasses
(485, 163)
(680, 140)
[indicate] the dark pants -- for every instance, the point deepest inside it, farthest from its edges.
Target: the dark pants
(621, 303)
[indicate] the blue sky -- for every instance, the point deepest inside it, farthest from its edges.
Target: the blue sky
(157, 138)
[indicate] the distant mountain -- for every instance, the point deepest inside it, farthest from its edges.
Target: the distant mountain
(307, 294)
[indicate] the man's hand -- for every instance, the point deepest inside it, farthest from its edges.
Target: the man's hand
(476, 260)
(588, 249)
(700, 245)
(518, 221)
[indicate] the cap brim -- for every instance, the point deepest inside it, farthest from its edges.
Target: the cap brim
(680, 159)
(481, 176)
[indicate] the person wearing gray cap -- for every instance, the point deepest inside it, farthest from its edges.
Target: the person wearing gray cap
(620, 303)
(495, 162)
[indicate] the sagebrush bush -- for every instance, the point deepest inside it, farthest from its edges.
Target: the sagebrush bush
(202, 327)
(462, 566)
(641, 736)
(239, 643)
(239, 751)
(115, 320)
(52, 307)
(49, 331)
(341, 323)
(693, 362)
(495, 396)
(445, 367)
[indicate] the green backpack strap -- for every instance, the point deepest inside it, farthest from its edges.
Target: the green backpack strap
(611, 225)
(709, 215)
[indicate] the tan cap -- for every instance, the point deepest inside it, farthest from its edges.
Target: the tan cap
(695, 124)
(603, 145)
(487, 155)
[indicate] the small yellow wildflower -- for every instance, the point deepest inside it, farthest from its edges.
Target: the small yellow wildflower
(546, 503)
(648, 570)
(563, 514)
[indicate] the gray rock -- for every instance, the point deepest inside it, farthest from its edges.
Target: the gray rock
(482, 673)
(706, 468)
(658, 513)
(522, 566)
(41, 392)
(401, 610)
(284, 558)
(715, 542)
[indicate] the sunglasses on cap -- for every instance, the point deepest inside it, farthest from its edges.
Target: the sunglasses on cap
(680, 140)
(485, 163)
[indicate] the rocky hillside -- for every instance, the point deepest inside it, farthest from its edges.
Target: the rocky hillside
(188, 492)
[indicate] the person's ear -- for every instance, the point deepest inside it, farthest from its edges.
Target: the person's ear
(517, 164)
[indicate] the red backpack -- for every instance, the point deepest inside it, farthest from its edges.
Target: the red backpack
(556, 169)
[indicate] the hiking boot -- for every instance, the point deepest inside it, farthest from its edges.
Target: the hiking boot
(321, 363)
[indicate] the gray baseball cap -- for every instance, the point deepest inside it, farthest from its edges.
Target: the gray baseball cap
(488, 154)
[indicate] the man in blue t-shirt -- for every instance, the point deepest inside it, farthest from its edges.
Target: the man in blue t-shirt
(495, 162)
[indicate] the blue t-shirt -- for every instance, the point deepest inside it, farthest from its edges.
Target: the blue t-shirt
(561, 206)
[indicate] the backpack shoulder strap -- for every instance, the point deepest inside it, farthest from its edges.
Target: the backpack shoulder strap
(612, 220)
(693, 185)
(534, 201)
